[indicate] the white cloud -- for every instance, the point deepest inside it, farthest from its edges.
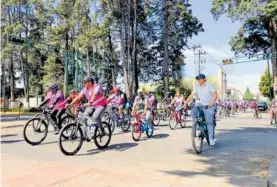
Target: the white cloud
(241, 82)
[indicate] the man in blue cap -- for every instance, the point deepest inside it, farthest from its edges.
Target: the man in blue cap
(207, 95)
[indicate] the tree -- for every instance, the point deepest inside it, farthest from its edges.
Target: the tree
(259, 31)
(266, 84)
(248, 95)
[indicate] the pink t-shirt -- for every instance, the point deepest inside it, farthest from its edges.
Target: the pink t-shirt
(116, 100)
(61, 103)
(97, 90)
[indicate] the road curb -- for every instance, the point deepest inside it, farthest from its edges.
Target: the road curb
(272, 174)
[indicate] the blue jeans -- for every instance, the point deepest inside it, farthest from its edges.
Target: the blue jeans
(210, 119)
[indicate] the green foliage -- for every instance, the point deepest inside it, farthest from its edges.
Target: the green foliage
(266, 84)
(256, 16)
(248, 95)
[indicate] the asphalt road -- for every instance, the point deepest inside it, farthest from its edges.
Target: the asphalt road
(241, 157)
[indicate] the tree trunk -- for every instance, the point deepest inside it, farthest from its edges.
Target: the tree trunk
(123, 55)
(166, 69)
(273, 36)
(12, 84)
(111, 60)
(134, 52)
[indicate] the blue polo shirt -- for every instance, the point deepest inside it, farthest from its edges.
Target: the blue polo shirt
(205, 93)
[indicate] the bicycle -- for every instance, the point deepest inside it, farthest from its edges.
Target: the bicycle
(257, 114)
(40, 124)
(78, 132)
(156, 117)
(177, 117)
(199, 130)
(166, 113)
(112, 118)
(140, 126)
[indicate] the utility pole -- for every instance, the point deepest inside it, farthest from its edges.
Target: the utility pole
(199, 60)
(269, 80)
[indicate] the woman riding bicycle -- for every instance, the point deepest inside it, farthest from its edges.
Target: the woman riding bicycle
(138, 102)
(117, 100)
(177, 102)
(55, 101)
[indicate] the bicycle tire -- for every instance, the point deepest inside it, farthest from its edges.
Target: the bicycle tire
(136, 129)
(184, 121)
(193, 136)
(156, 119)
(207, 137)
(111, 122)
(172, 122)
(25, 132)
(125, 125)
(107, 129)
(69, 118)
(62, 149)
(150, 134)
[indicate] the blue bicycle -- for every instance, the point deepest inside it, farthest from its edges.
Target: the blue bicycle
(141, 126)
(199, 130)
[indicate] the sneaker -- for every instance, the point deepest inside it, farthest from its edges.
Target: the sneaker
(212, 142)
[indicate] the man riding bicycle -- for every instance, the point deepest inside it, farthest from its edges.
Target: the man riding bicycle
(207, 95)
(96, 101)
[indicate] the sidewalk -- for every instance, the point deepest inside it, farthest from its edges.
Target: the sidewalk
(272, 174)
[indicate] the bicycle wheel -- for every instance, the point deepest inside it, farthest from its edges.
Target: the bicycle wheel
(172, 122)
(183, 121)
(197, 138)
(70, 135)
(136, 132)
(102, 141)
(35, 127)
(111, 122)
(66, 120)
(150, 132)
(156, 119)
(125, 125)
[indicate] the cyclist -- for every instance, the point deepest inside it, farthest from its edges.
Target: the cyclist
(149, 107)
(138, 103)
(96, 101)
(117, 100)
(254, 106)
(167, 99)
(55, 101)
(207, 95)
(178, 101)
(165, 103)
(73, 94)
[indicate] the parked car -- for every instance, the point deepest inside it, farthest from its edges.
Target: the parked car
(262, 106)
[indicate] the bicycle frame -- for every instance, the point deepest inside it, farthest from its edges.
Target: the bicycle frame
(143, 126)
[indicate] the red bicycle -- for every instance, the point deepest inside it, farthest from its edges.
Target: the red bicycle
(177, 117)
(140, 126)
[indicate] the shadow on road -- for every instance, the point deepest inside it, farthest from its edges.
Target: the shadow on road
(12, 126)
(10, 141)
(160, 136)
(242, 155)
(114, 147)
(8, 135)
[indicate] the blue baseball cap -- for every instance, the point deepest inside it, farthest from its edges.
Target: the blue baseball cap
(200, 76)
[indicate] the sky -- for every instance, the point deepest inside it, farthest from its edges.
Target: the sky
(215, 41)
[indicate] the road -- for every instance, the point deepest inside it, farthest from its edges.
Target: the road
(241, 157)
